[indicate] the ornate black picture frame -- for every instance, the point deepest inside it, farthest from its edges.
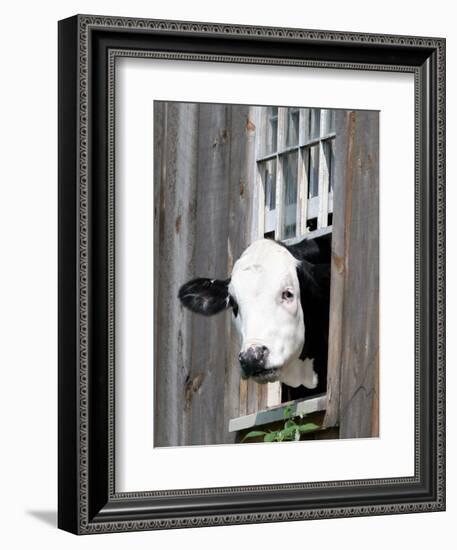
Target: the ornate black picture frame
(88, 501)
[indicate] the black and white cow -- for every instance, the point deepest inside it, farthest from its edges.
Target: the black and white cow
(279, 296)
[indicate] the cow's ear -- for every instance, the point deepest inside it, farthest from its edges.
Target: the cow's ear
(205, 296)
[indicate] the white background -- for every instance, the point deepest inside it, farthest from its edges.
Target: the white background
(139, 467)
(29, 274)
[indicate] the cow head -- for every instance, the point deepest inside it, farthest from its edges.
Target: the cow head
(264, 292)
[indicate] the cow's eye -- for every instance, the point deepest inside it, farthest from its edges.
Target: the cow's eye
(287, 295)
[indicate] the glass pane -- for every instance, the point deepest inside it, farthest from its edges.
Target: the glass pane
(329, 152)
(306, 113)
(290, 168)
(312, 224)
(268, 175)
(315, 123)
(313, 173)
(271, 134)
(292, 126)
(330, 122)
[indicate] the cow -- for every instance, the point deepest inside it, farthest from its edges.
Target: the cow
(279, 297)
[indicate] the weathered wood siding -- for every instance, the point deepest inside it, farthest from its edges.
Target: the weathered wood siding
(203, 190)
(239, 393)
(175, 153)
(353, 366)
(206, 211)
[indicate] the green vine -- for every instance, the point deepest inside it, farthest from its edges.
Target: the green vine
(291, 431)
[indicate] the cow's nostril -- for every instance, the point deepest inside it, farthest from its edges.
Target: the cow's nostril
(244, 359)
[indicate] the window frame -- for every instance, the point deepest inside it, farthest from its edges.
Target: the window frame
(308, 208)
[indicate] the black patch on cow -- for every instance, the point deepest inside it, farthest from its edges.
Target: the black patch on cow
(315, 251)
(314, 279)
(234, 305)
(206, 296)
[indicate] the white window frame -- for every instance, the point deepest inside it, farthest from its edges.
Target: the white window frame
(318, 207)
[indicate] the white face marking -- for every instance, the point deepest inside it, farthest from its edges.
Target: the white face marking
(264, 283)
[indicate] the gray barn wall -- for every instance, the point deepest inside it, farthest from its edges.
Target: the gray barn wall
(204, 192)
(203, 184)
(353, 364)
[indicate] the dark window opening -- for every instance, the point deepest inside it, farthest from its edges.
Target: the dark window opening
(312, 224)
(291, 394)
(269, 235)
(330, 219)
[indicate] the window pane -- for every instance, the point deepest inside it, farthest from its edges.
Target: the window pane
(312, 224)
(329, 152)
(306, 114)
(268, 175)
(315, 123)
(330, 122)
(290, 168)
(292, 126)
(271, 134)
(313, 173)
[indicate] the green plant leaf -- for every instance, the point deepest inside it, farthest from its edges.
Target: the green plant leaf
(269, 438)
(309, 427)
(255, 433)
(290, 424)
(289, 433)
(287, 413)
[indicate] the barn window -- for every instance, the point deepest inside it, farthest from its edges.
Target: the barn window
(294, 158)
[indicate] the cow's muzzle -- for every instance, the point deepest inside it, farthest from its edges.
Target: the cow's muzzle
(253, 361)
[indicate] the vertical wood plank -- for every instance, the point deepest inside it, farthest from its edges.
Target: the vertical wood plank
(357, 269)
(241, 184)
(251, 394)
(375, 402)
(344, 131)
(175, 153)
(203, 406)
(273, 394)
(160, 165)
(361, 316)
